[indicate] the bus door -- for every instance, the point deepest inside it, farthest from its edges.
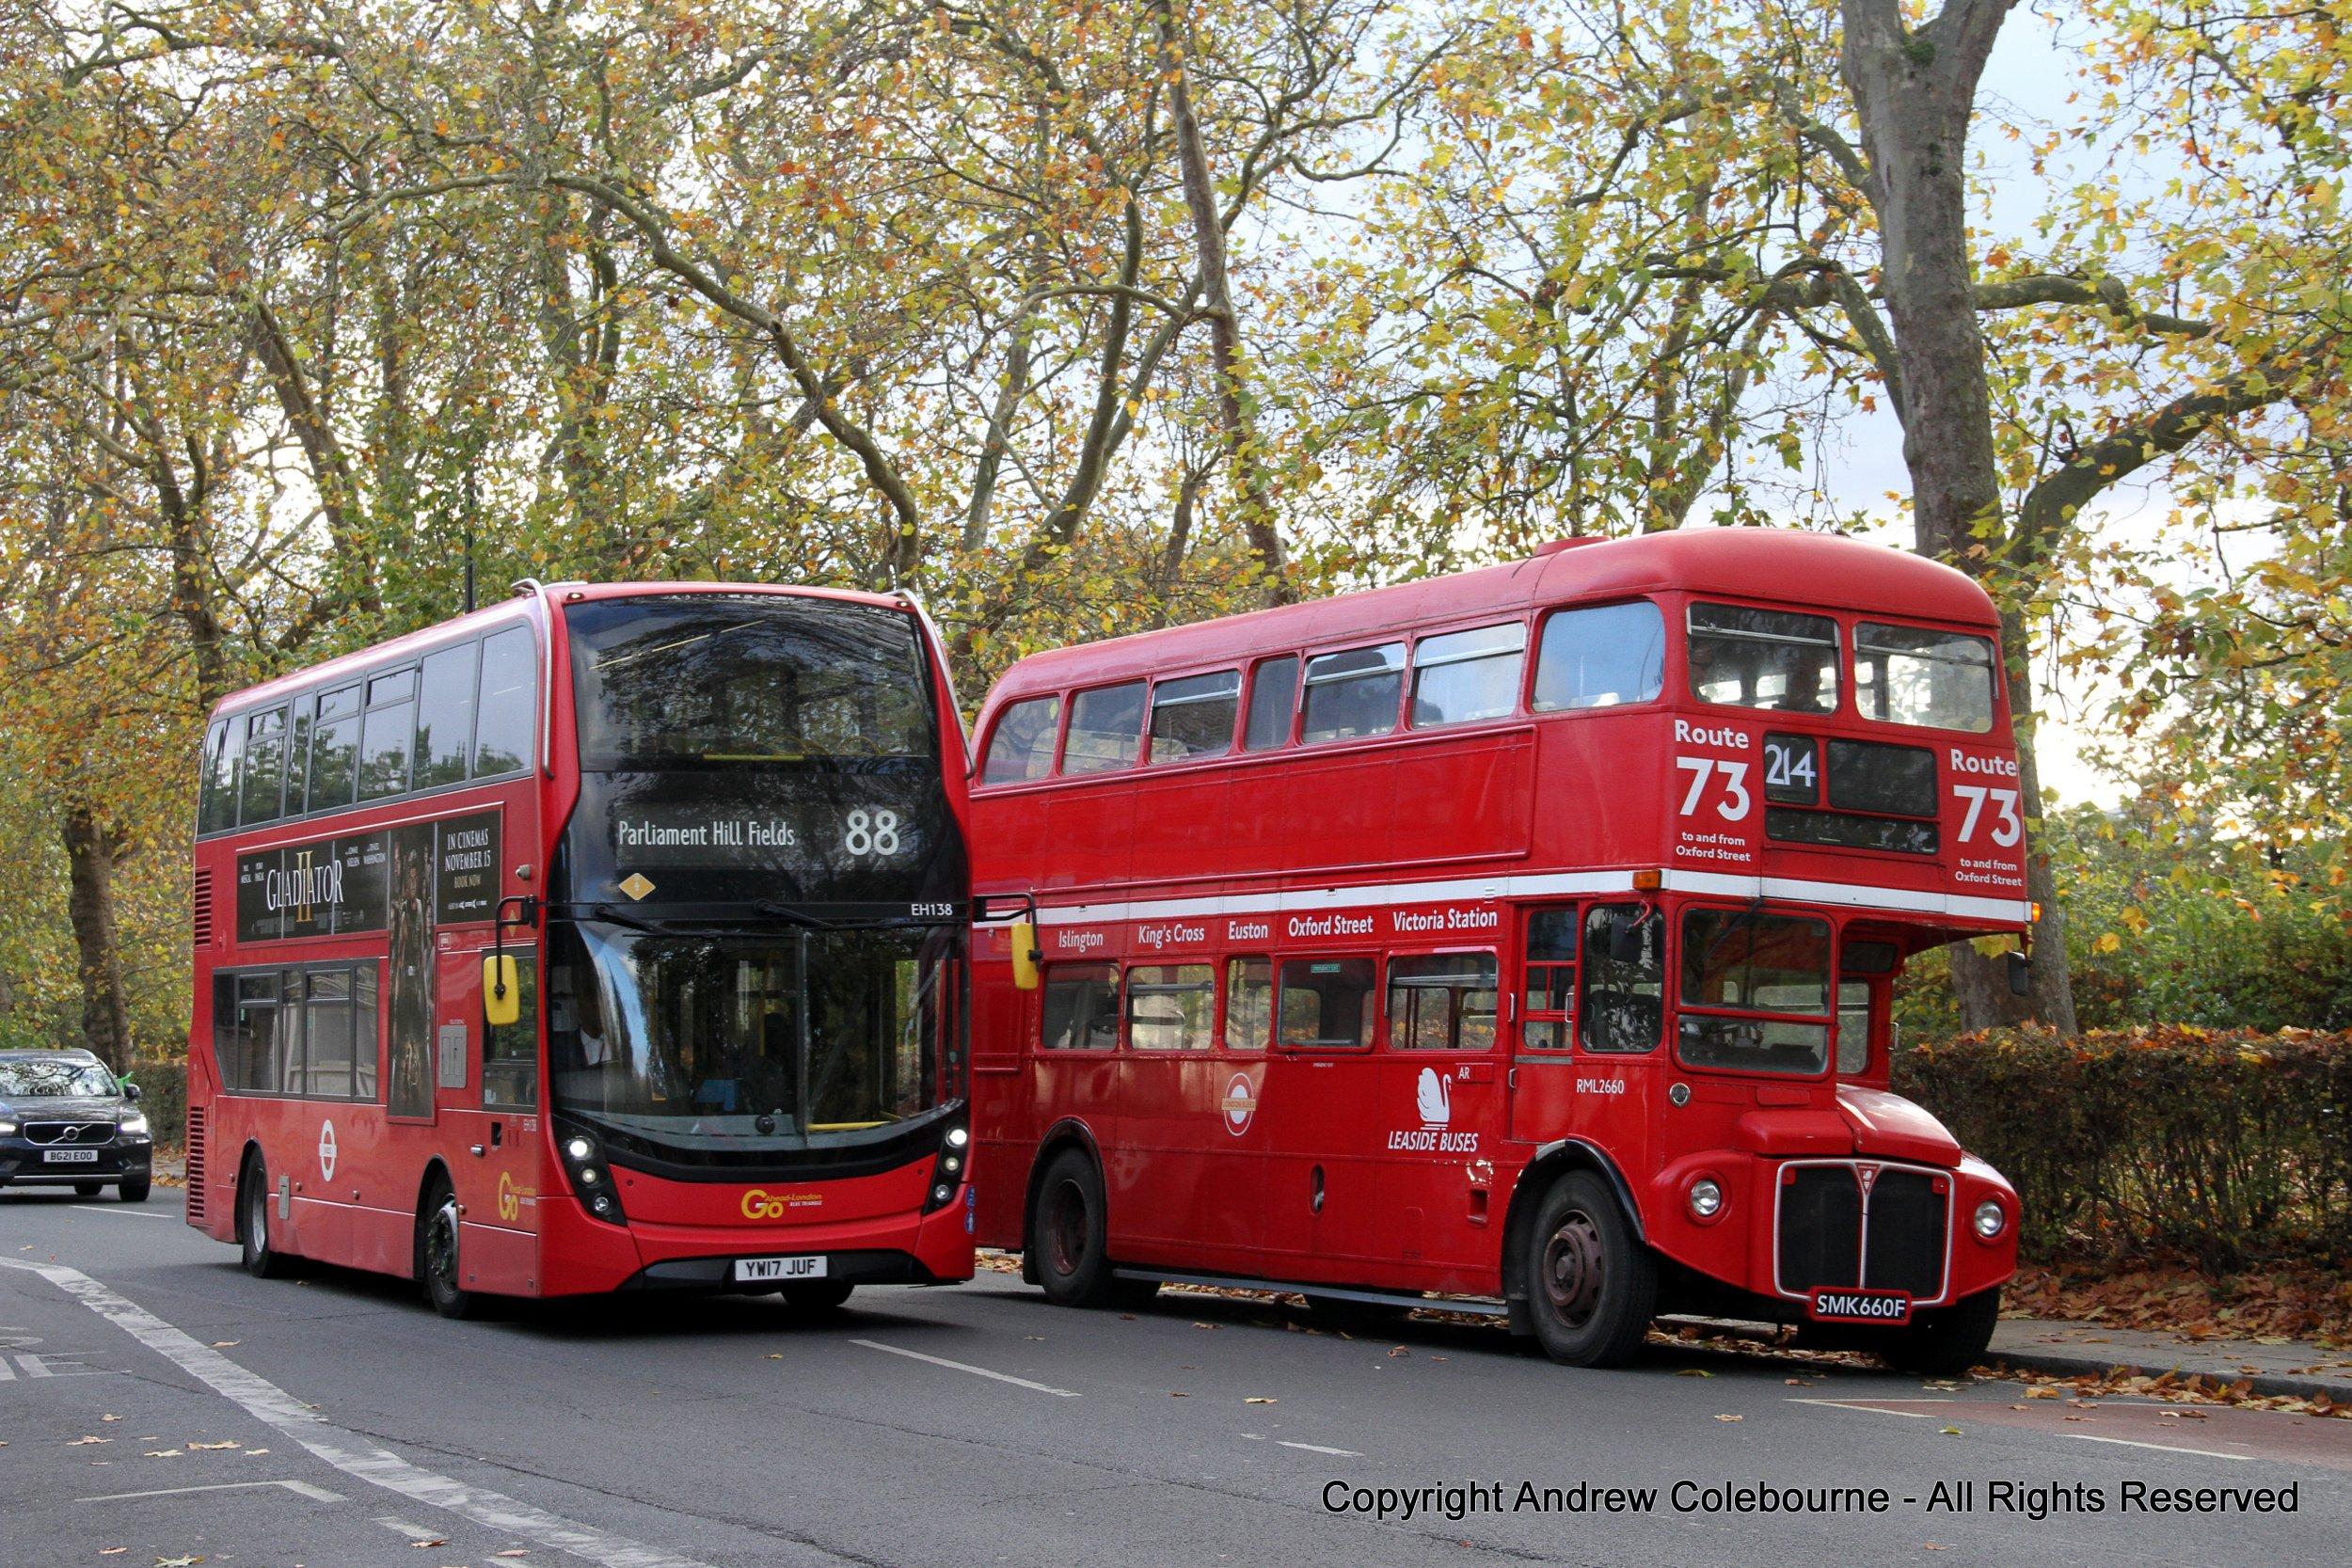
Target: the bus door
(489, 1145)
(1321, 1129)
(1166, 1086)
(1543, 1066)
(1439, 1088)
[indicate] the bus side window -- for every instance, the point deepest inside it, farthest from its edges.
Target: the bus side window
(334, 763)
(1106, 729)
(385, 734)
(260, 792)
(1551, 977)
(219, 807)
(509, 1051)
(1273, 700)
(1249, 1003)
(1623, 1004)
(1170, 1006)
(503, 715)
(1081, 1011)
(445, 716)
(1326, 1003)
(1022, 746)
(1441, 1003)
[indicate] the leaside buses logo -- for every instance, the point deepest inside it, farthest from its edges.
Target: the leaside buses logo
(1433, 1102)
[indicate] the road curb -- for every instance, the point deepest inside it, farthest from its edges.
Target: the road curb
(2269, 1385)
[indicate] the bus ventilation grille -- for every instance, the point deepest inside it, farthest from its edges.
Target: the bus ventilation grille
(200, 909)
(1823, 1238)
(195, 1162)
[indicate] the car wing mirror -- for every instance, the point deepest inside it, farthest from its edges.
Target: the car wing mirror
(130, 1090)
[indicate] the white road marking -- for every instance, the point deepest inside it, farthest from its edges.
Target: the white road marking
(1879, 1409)
(414, 1533)
(301, 1488)
(354, 1456)
(966, 1366)
(1317, 1448)
(2160, 1448)
(126, 1212)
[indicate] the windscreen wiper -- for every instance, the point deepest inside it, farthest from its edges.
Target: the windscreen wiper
(793, 914)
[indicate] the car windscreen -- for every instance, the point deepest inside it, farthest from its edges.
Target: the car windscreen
(54, 1078)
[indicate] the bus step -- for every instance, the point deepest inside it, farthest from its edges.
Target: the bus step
(1476, 1306)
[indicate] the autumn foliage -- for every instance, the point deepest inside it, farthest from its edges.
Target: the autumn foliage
(2227, 1149)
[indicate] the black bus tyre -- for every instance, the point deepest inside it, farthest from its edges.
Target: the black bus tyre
(817, 1295)
(135, 1188)
(1945, 1341)
(1592, 1286)
(88, 1189)
(1068, 1227)
(438, 1237)
(263, 1260)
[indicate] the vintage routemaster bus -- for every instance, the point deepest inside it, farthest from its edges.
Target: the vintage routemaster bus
(1524, 935)
(611, 938)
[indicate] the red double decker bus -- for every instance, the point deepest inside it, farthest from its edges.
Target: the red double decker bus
(611, 938)
(1523, 936)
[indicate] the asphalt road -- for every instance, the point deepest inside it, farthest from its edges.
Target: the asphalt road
(159, 1406)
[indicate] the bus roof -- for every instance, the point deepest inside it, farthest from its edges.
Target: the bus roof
(513, 609)
(1777, 565)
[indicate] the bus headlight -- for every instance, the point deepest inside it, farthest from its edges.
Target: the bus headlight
(1707, 1199)
(947, 1167)
(583, 1163)
(1990, 1219)
(581, 1149)
(957, 1137)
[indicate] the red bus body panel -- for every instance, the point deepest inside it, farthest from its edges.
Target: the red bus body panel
(1320, 1166)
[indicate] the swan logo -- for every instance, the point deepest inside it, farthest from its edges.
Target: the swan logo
(1434, 1099)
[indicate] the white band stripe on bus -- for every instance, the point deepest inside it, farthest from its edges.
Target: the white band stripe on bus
(1843, 894)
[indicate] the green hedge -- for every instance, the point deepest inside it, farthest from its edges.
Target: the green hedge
(2231, 1147)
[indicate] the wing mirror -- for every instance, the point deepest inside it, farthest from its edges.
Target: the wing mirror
(2020, 970)
(502, 991)
(1023, 936)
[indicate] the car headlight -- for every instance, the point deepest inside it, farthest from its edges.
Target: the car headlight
(134, 1125)
(1990, 1219)
(1707, 1199)
(7, 1128)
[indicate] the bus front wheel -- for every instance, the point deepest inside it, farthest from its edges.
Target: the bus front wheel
(1591, 1284)
(437, 1252)
(1945, 1341)
(261, 1260)
(1067, 1226)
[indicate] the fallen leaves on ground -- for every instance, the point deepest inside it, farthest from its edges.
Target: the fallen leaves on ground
(1256, 1398)
(2271, 1305)
(227, 1444)
(2172, 1386)
(84, 1442)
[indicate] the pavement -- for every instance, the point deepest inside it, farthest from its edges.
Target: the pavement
(159, 1406)
(2295, 1369)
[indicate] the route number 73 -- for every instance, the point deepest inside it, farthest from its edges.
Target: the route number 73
(2007, 830)
(1734, 806)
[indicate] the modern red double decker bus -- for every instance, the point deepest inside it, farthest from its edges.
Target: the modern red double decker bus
(1522, 937)
(614, 937)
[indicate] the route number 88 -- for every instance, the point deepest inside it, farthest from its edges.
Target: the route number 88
(871, 832)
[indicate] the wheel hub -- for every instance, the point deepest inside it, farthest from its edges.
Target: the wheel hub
(1069, 1228)
(1573, 1271)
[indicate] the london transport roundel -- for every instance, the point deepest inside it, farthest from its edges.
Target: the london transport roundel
(1240, 1105)
(326, 1152)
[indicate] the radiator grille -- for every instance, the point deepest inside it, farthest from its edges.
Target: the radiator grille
(200, 911)
(1825, 1238)
(195, 1162)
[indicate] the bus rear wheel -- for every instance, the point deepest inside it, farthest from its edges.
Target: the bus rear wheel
(1067, 1226)
(261, 1260)
(1945, 1341)
(438, 1262)
(1590, 1285)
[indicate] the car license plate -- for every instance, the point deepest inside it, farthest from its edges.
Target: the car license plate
(749, 1271)
(1889, 1307)
(68, 1156)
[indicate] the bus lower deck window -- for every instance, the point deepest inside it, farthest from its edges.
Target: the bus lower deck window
(1326, 1003)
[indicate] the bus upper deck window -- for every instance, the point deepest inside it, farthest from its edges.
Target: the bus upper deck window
(1604, 656)
(1912, 676)
(1273, 698)
(1763, 658)
(1193, 716)
(1022, 745)
(1466, 676)
(1354, 693)
(1106, 729)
